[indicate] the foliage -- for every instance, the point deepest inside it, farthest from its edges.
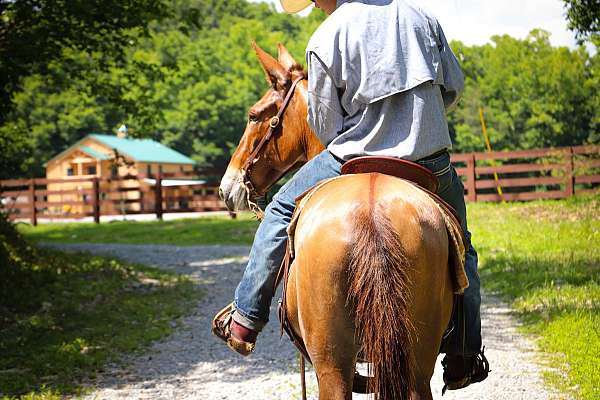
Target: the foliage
(185, 232)
(543, 257)
(583, 17)
(16, 160)
(33, 33)
(191, 80)
(62, 317)
(533, 95)
(16, 257)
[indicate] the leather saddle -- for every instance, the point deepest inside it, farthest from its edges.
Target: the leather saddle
(397, 167)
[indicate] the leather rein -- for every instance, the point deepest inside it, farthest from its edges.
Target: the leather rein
(274, 123)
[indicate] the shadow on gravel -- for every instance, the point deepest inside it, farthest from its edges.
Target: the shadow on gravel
(192, 356)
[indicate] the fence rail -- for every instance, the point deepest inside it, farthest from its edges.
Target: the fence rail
(529, 174)
(76, 198)
(496, 176)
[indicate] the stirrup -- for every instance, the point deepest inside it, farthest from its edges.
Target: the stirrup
(479, 372)
(221, 328)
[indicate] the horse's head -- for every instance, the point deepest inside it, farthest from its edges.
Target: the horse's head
(277, 137)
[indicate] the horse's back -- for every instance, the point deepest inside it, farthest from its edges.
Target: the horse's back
(330, 215)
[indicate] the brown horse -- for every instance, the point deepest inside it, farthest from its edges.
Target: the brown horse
(371, 268)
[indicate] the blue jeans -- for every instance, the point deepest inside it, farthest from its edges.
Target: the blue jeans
(255, 292)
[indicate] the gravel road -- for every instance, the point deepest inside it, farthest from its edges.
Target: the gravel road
(192, 364)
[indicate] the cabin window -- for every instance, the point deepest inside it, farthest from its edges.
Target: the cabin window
(160, 169)
(91, 170)
(70, 171)
(149, 169)
(114, 170)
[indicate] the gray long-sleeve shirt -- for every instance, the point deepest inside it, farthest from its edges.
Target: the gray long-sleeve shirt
(381, 76)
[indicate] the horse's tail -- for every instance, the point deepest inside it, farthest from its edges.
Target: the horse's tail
(378, 290)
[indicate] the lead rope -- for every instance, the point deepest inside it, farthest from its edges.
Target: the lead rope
(252, 205)
(302, 376)
(282, 276)
(458, 308)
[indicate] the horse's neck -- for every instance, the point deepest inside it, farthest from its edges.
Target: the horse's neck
(309, 141)
(313, 145)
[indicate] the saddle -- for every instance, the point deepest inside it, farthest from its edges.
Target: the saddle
(409, 171)
(397, 167)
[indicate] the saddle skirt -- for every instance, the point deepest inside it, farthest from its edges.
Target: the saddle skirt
(456, 238)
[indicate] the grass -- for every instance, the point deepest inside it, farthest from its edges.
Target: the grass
(183, 232)
(544, 257)
(63, 317)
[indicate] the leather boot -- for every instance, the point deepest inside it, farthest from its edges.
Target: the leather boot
(238, 338)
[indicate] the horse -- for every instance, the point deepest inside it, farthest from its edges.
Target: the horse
(370, 275)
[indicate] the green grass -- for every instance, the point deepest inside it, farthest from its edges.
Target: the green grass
(65, 316)
(544, 257)
(183, 232)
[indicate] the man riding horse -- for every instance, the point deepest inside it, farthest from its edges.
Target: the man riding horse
(381, 77)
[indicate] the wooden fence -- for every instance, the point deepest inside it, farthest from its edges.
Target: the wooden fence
(497, 176)
(529, 174)
(77, 198)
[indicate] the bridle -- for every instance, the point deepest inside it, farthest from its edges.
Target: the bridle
(274, 123)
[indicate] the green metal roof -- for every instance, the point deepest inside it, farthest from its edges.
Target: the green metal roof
(94, 153)
(143, 150)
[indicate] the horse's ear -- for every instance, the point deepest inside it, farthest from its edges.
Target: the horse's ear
(274, 72)
(286, 60)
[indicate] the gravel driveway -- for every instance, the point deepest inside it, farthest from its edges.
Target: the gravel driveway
(192, 364)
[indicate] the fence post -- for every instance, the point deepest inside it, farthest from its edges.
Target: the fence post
(32, 202)
(96, 199)
(158, 196)
(471, 190)
(570, 174)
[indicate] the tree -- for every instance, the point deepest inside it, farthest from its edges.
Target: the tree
(34, 32)
(583, 17)
(535, 95)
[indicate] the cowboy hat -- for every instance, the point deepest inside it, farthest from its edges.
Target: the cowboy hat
(294, 6)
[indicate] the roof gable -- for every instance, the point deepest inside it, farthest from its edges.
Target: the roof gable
(79, 147)
(141, 150)
(94, 153)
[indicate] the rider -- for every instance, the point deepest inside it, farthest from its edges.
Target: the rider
(381, 76)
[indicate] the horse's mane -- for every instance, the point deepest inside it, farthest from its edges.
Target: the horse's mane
(298, 70)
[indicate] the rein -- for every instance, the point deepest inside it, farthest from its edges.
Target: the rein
(274, 123)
